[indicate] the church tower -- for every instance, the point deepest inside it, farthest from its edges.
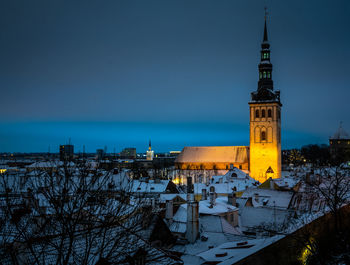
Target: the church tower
(265, 121)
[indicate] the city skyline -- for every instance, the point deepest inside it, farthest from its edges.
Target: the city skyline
(119, 73)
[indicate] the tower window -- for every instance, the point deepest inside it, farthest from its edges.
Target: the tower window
(257, 113)
(263, 136)
(268, 75)
(265, 55)
(269, 113)
(260, 75)
(264, 74)
(263, 113)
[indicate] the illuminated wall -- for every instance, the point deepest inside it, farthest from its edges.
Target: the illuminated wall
(265, 140)
(211, 165)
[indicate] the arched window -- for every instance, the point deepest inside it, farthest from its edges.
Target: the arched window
(257, 113)
(269, 113)
(263, 136)
(263, 113)
(268, 75)
(264, 74)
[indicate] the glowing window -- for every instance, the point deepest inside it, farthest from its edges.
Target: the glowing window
(263, 113)
(263, 136)
(264, 74)
(268, 75)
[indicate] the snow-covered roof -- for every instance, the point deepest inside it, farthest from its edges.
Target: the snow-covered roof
(288, 182)
(221, 206)
(251, 217)
(150, 186)
(231, 252)
(170, 196)
(213, 154)
(48, 164)
(268, 198)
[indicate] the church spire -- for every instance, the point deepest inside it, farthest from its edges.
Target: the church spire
(265, 32)
(265, 84)
(265, 27)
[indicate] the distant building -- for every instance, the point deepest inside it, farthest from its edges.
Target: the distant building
(129, 152)
(339, 145)
(150, 152)
(66, 152)
(100, 153)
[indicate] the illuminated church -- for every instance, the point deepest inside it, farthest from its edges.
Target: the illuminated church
(263, 157)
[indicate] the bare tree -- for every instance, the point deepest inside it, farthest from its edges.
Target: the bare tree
(73, 213)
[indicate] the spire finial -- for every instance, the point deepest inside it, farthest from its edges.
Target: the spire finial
(265, 28)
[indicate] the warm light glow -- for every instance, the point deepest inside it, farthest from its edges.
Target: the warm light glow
(306, 252)
(265, 144)
(3, 170)
(177, 181)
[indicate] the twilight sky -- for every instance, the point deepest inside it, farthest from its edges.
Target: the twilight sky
(117, 73)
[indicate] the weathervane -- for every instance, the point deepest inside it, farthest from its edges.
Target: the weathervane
(266, 13)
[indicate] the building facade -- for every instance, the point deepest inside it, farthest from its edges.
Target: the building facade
(66, 152)
(265, 121)
(339, 145)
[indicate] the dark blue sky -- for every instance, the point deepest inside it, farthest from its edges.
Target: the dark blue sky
(117, 73)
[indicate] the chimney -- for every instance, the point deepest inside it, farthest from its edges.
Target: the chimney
(232, 199)
(189, 185)
(256, 197)
(169, 211)
(190, 195)
(212, 196)
(272, 184)
(192, 225)
(204, 194)
(212, 199)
